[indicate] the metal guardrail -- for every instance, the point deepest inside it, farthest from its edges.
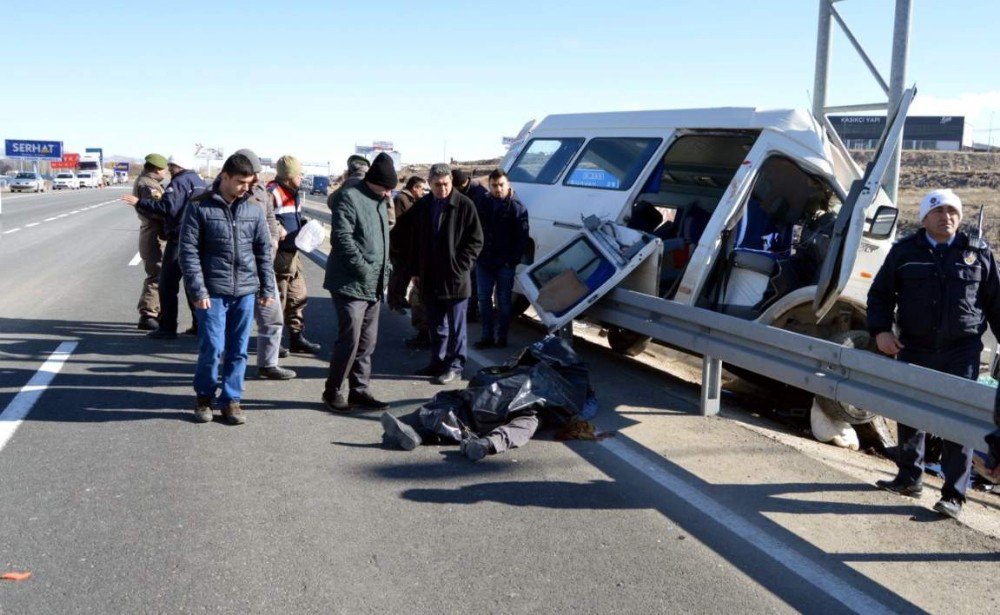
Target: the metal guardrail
(954, 408)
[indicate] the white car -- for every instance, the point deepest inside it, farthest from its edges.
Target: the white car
(88, 179)
(65, 181)
(28, 182)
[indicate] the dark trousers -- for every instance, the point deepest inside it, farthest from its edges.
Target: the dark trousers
(357, 334)
(398, 282)
(449, 333)
(515, 433)
(956, 460)
(170, 286)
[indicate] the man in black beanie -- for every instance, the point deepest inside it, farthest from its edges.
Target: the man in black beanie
(357, 273)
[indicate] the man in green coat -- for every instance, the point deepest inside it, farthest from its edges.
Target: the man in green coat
(357, 274)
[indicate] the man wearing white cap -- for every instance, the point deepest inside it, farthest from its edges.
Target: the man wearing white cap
(184, 183)
(939, 289)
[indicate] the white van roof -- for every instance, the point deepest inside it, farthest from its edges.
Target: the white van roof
(794, 124)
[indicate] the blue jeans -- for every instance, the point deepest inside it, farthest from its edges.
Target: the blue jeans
(223, 329)
(502, 279)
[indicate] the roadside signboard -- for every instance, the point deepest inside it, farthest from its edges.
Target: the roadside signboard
(69, 161)
(207, 153)
(37, 150)
(122, 167)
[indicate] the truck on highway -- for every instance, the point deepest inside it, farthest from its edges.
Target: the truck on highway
(762, 215)
(89, 171)
(320, 185)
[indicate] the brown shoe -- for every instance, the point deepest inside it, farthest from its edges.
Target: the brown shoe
(233, 414)
(203, 410)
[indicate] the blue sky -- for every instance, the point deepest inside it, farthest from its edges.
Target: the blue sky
(447, 78)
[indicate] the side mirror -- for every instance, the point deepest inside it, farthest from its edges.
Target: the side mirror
(882, 222)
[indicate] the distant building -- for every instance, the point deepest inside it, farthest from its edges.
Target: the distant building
(948, 132)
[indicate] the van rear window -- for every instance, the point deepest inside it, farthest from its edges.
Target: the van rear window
(543, 160)
(611, 163)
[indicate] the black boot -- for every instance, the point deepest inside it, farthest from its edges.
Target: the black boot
(301, 344)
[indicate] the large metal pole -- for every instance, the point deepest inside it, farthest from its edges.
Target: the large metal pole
(821, 77)
(897, 83)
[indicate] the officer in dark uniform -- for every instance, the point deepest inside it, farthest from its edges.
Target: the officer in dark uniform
(945, 288)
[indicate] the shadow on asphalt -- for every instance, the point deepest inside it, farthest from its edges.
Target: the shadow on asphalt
(629, 489)
(123, 375)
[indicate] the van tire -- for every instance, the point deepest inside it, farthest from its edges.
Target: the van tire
(628, 343)
(519, 304)
(855, 338)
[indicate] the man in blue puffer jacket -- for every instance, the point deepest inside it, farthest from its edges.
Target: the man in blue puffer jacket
(225, 253)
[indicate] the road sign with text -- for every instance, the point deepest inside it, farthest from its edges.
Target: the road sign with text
(38, 150)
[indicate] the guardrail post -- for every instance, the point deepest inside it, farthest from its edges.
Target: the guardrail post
(711, 385)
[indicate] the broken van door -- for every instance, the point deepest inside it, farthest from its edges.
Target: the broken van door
(839, 262)
(725, 216)
(565, 282)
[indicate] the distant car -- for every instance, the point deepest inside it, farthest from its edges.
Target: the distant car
(27, 182)
(63, 181)
(88, 179)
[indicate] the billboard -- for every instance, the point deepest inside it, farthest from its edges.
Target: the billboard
(207, 153)
(37, 150)
(122, 167)
(69, 161)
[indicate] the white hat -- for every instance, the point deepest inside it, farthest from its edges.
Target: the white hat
(939, 198)
(180, 161)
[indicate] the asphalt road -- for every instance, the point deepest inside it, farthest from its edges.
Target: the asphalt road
(116, 501)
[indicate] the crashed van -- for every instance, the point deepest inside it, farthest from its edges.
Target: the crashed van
(762, 215)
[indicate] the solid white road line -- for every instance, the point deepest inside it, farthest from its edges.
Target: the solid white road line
(805, 568)
(135, 260)
(25, 400)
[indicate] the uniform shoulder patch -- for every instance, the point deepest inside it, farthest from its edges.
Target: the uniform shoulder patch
(969, 257)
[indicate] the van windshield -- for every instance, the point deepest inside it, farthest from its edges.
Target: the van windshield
(543, 160)
(611, 163)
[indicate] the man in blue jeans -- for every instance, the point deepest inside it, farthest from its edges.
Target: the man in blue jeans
(505, 234)
(225, 253)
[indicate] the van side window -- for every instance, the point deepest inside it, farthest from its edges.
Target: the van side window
(611, 163)
(543, 160)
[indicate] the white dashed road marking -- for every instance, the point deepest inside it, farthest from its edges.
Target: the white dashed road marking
(25, 400)
(135, 260)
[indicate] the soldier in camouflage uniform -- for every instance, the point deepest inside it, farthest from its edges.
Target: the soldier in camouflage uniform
(152, 240)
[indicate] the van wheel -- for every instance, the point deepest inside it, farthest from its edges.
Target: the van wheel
(519, 305)
(841, 411)
(628, 343)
